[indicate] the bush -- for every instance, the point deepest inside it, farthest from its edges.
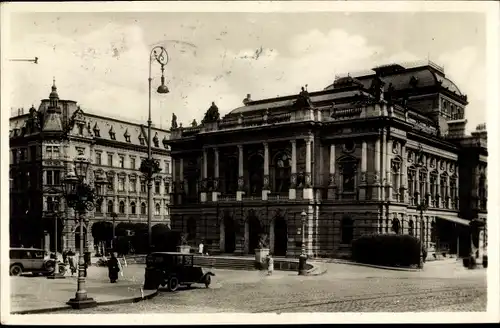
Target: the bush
(388, 250)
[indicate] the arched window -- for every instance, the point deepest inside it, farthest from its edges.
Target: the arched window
(121, 207)
(282, 172)
(348, 170)
(191, 228)
(110, 206)
(231, 175)
(411, 227)
(132, 207)
(396, 226)
(143, 208)
(256, 174)
(347, 230)
(157, 209)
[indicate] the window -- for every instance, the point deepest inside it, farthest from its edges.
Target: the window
(411, 186)
(444, 189)
(143, 208)
(133, 185)
(347, 230)
(348, 168)
(122, 161)
(132, 163)
(127, 138)
(231, 175)
(167, 167)
(453, 192)
(395, 169)
(53, 178)
(110, 159)
(256, 174)
(97, 132)
(50, 204)
(132, 207)
(33, 153)
(396, 226)
(111, 182)
(121, 207)
(157, 187)
(55, 152)
(110, 206)
(422, 181)
(433, 181)
(141, 140)
(157, 209)
(411, 228)
(98, 208)
(167, 187)
(166, 209)
(143, 185)
(50, 178)
(282, 172)
(121, 183)
(98, 158)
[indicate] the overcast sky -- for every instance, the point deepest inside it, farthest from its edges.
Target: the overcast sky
(101, 61)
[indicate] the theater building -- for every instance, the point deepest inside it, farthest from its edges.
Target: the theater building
(358, 157)
(43, 145)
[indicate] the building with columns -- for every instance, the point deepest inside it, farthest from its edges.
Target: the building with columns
(358, 157)
(43, 145)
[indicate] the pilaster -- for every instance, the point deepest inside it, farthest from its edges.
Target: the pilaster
(308, 174)
(215, 193)
(203, 193)
(362, 185)
(241, 178)
(265, 187)
(292, 192)
(332, 185)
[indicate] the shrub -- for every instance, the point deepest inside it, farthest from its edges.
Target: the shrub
(389, 250)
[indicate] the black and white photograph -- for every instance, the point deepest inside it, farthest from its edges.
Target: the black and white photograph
(289, 161)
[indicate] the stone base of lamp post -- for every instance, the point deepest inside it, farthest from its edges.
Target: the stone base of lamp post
(302, 265)
(82, 304)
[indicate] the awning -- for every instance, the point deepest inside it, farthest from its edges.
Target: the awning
(456, 220)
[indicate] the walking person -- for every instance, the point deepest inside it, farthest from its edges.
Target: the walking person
(72, 261)
(270, 265)
(113, 267)
(201, 248)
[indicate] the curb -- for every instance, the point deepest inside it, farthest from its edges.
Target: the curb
(151, 294)
(376, 266)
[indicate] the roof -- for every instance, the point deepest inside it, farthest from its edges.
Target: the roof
(402, 79)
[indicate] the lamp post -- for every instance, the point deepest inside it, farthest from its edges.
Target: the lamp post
(303, 255)
(422, 207)
(113, 217)
(151, 166)
(55, 274)
(82, 197)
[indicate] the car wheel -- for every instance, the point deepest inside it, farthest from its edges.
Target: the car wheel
(173, 284)
(208, 280)
(16, 270)
(62, 269)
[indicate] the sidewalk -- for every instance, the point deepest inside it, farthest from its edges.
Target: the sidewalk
(39, 294)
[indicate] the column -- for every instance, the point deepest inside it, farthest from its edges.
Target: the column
(383, 176)
(403, 181)
(388, 168)
(241, 178)
(265, 187)
(292, 192)
(332, 185)
(204, 175)
(308, 174)
(362, 185)
(216, 182)
(377, 177)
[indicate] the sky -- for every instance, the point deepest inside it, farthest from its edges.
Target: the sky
(101, 60)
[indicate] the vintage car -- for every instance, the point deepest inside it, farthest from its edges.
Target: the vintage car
(174, 269)
(34, 260)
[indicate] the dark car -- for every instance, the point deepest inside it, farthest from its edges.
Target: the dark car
(174, 269)
(34, 260)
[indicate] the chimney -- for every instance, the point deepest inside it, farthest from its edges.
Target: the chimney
(247, 99)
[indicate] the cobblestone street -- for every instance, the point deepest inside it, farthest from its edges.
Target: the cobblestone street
(344, 288)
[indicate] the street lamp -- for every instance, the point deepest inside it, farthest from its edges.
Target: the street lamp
(422, 207)
(303, 255)
(150, 166)
(82, 197)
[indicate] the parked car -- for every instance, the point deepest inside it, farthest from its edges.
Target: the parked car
(34, 260)
(173, 269)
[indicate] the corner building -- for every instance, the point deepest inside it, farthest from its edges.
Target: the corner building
(357, 157)
(43, 145)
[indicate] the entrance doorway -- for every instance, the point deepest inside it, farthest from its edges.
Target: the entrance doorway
(254, 230)
(280, 236)
(229, 235)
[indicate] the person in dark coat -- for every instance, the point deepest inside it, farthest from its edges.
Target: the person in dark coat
(113, 268)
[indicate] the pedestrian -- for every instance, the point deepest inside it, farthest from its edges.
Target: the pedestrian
(270, 265)
(65, 256)
(201, 248)
(113, 267)
(72, 261)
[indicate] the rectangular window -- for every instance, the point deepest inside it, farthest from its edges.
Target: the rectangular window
(57, 178)
(121, 184)
(167, 167)
(157, 187)
(133, 185)
(132, 163)
(110, 159)
(48, 151)
(50, 178)
(98, 158)
(143, 185)
(111, 181)
(122, 162)
(55, 152)
(167, 188)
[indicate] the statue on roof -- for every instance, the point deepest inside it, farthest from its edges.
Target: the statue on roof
(389, 94)
(377, 87)
(304, 100)
(174, 121)
(194, 123)
(212, 115)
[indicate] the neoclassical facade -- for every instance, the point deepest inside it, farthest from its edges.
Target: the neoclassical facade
(43, 144)
(358, 157)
